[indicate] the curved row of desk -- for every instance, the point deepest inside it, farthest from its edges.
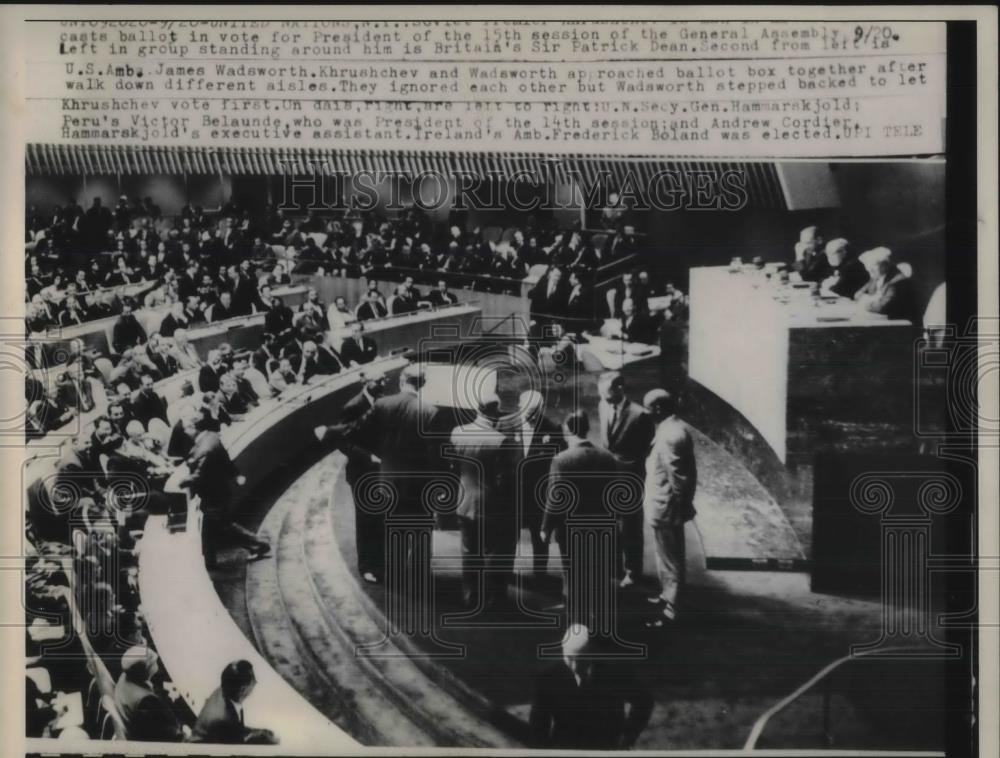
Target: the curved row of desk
(190, 627)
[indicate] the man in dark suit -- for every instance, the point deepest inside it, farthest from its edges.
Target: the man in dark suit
(246, 298)
(146, 404)
(440, 296)
(209, 374)
(636, 327)
(357, 348)
(372, 307)
(847, 273)
(174, 320)
(401, 424)
(221, 718)
(212, 476)
(581, 704)
(579, 305)
(146, 715)
(369, 523)
(809, 259)
(314, 360)
(539, 440)
(581, 475)
(278, 317)
(223, 309)
(548, 300)
(630, 289)
(626, 430)
(485, 460)
(401, 428)
(127, 332)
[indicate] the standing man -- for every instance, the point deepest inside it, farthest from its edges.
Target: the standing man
(548, 300)
(401, 428)
(485, 460)
(212, 476)
(539, 440)
(369, 525)
(578, 480)
(671, 479)
(626, 431)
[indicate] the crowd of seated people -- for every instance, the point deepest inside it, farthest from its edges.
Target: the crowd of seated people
(145, 427)
(81, 539)
(633, 310)
(77, 262)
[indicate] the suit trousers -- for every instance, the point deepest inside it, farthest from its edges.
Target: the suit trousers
(369, 539)
(670, 560)
(217, 527)
(484, 562)
(631, 542)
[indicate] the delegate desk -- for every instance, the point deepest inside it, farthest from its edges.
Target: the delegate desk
(803, 371)
(174, 583)
(96, 335)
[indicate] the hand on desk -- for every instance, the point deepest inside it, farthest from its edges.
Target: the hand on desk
(260, 737)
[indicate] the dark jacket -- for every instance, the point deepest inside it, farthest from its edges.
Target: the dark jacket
(147, 717)
(630, 438)
(369, 310)
(581, 475)
(402, 428)
(486, 463)
(148, 406)
(546, 442)
(127, 332)
(219, 722)
(591, 716)
(851, 276)
(212, 473)
(350, 350)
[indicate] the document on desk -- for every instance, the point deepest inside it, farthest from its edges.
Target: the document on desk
(685, 317)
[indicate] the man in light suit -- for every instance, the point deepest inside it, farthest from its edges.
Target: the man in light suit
(671, 479)
(539, 440)
(626, 430)
(889, 291)
(147, 716)
(221, 718)
(485, 460)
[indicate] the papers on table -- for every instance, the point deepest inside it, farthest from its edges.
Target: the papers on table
(71, 705)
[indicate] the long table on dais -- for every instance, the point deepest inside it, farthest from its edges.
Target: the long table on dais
(799, 368)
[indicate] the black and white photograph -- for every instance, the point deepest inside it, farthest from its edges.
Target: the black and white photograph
(485, 382)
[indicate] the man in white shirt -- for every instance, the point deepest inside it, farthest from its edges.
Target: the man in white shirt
(671, 479)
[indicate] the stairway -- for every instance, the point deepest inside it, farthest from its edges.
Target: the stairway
(309, 615)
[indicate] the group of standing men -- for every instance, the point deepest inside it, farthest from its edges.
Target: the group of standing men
(522, 470)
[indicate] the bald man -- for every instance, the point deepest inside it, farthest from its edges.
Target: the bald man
(671, 479)
(586, 701)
